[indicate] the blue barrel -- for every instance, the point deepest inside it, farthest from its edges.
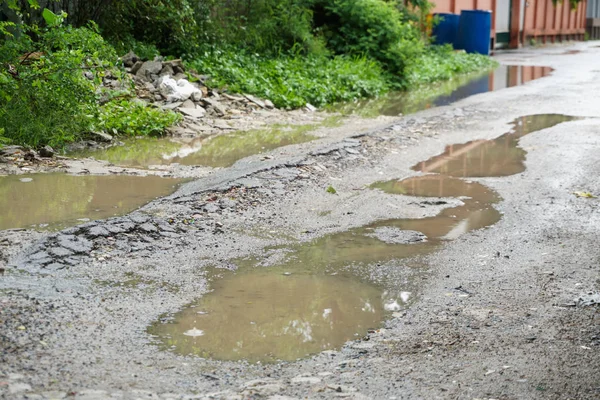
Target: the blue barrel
(446, 30)
(474, 31)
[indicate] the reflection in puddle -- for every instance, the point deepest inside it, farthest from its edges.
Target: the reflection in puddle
(444, 93)
(264, 315)
(59, 200)
(312, 299)
(476, 212)
(497, 157)
(215, 151)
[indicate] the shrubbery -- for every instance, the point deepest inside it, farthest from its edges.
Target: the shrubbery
(50, 87)
(292, 81)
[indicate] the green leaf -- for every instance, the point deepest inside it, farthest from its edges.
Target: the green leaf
(51, 18)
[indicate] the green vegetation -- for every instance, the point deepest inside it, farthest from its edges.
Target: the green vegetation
(293, 80)
(133, 118)
(50, 87)
(53, 60)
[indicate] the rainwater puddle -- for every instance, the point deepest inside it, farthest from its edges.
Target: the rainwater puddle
(309, 297)
(55, 201)
(264, 315)
(214, 151)
(497, 157)
(445, 93)
(477, 211)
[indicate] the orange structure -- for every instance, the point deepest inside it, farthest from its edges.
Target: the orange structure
(518, 22)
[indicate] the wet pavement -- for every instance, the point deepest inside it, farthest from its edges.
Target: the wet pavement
(493, 316)
(54, 201)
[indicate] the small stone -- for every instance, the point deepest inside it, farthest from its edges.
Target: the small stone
(139, 218)
(197, 96)
(310, 107)
(54, 395)
(227, 203)
(148, 69)
(136, 67)
(98, 231)
(188, 104)
(55, 266)
(61, 252)
(76, 244)
(269, 104)
(101, 136)
(129, 59)
(148, 227)
(167, 70)
(40, 255)
(215, 105)
(197, 112)
(211, 208)
(47, 152)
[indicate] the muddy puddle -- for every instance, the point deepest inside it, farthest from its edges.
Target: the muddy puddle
(497, 157)
(265, 315)
(55, 201)
(301, 299)
(213, 151)
(445, 93)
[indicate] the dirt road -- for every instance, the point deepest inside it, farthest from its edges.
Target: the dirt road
(491, 300)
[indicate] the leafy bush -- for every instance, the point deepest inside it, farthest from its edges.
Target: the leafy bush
(374, 28)
(292, 81)
(167, 25)
(134, 118)
(50, 86)
(48, 92)
(439, 63)
(264, 26)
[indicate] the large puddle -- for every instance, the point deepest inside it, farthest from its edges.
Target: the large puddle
(264, 315)
(445, 93)
(497, 157)
(54, 201)
(305, 298)
(214, 151)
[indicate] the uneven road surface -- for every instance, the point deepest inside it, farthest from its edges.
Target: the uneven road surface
(474, 279)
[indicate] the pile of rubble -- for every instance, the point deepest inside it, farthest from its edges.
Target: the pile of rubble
(166, 84)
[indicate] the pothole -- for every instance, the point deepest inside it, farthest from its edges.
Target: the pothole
(55, 201)
(317, 295)
(213, 151)
(497, 157)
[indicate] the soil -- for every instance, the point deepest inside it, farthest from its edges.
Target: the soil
(492, 314)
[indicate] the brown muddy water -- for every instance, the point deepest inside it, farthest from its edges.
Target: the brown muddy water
(214, 151)
(497, 157)
(442, 94)
(314, 296)
(54, 201)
